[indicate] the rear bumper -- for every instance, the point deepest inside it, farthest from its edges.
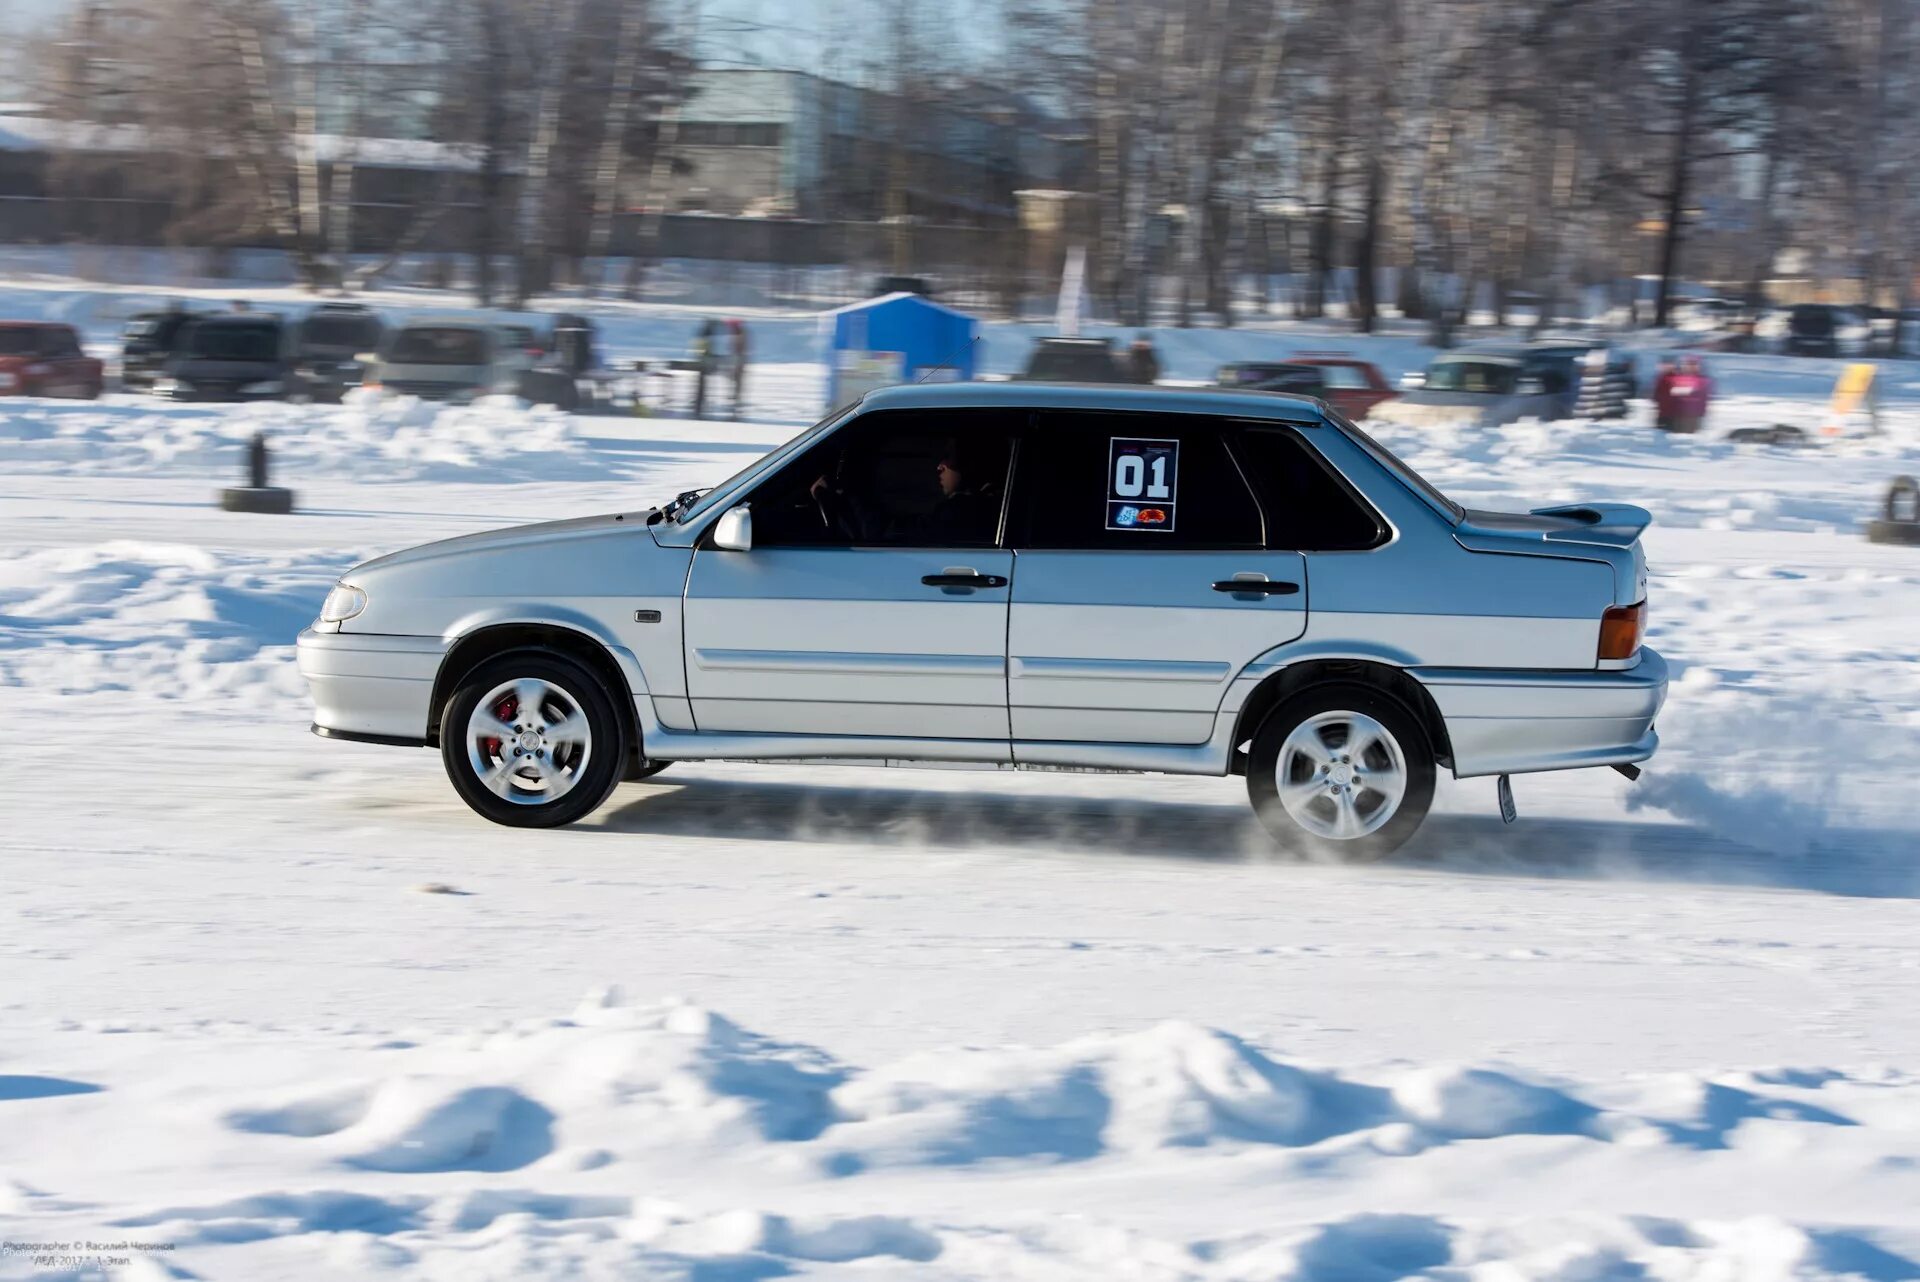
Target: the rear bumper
(1519, 722)
(376, 688)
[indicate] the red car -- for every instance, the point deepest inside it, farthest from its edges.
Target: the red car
(1354, 387)
(38, 359)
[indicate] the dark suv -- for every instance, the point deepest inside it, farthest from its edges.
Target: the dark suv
(147, 342)
(1813, 329)
(229, 357)
(327, 346)
(1073, 360)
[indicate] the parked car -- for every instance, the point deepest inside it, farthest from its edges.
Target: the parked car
(237, 356)
(444, 360)
(148, 341)
(1354, 387)
(1273, 376)
(1074, 360)
(1605, 378)
(328, 346)
(42, 359)
(1004, 574)
(1484, 385)
(1813, 329)
(884, 285)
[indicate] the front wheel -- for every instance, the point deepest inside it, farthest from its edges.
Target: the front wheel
(531, 739)
(1341, 771)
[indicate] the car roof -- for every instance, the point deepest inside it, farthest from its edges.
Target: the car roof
(1134, 397)
(1484, 351)
(240, 318)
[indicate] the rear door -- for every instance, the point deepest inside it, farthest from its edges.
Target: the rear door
(1142, 582)
(72, 371)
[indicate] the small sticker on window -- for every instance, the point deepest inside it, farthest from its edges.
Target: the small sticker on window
(1143, 480)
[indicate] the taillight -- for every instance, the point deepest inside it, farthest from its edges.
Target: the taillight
(1621, 628)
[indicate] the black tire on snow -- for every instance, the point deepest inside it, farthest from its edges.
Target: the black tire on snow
(1405, 727)
(606, 758)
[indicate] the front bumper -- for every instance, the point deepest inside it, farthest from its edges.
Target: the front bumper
(1518, 722)
(370, 687)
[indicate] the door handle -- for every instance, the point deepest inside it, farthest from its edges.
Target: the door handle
(968, 580)
(1260, 587)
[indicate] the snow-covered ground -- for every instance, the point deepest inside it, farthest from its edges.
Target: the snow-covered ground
(288, 1006)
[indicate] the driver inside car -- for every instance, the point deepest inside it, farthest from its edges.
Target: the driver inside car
(964, 513)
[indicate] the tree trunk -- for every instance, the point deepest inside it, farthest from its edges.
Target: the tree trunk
(613, 139)
(535, 198)
(493, 145)
(1680, 170)
(1366, 251)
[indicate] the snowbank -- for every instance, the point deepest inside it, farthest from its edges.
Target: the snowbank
(377, 437)
(630, 1141)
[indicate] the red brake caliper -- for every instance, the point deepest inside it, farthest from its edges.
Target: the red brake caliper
(503, 710)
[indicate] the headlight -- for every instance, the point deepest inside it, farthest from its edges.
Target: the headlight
(168, 386)
(342, 603)
(265, 387)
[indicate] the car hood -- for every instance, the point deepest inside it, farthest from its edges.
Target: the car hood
(579, 527)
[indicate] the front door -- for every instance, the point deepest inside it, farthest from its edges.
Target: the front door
(1143, 583)
(874, 599)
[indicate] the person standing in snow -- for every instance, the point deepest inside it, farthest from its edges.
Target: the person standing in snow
(737, 359)
(1143, 363)
(704, 341)
(1663, 395)
(1691, 392)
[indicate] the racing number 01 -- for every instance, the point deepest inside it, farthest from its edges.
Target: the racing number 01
(1143, 482)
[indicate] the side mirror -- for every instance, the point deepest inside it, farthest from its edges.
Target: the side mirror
(734, 531)
(1414, 381)
(1529, 387)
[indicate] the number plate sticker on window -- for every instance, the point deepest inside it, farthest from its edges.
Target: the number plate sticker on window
(1143, 480)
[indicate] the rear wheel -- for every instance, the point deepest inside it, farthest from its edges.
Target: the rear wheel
(532, 739)
(1341, 771)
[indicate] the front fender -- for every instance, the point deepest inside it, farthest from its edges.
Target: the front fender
(548, 615)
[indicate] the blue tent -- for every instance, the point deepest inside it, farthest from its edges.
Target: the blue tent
(900, 338)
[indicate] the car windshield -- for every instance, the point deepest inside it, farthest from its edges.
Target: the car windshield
(1467, 374)
(1392, 462)
(439, 345)
(139, 328)
(1812, 320)
(19, 342)
(347, 333)
(235, 342)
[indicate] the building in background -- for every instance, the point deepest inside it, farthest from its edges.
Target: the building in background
(792, 144)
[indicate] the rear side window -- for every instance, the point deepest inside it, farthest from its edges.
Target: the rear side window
(1345, 377)
(439, 345)
(227, 342)
(1309, 509)
(1133, 481)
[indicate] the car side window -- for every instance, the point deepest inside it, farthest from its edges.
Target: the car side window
(60, 342)
(1309, 507)
(929, 478)
(1096, 481)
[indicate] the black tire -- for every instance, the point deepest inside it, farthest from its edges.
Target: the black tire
(572, 688)
(1407, 736)
(639, 767)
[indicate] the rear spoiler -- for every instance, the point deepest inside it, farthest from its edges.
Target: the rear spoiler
(1616, 525)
